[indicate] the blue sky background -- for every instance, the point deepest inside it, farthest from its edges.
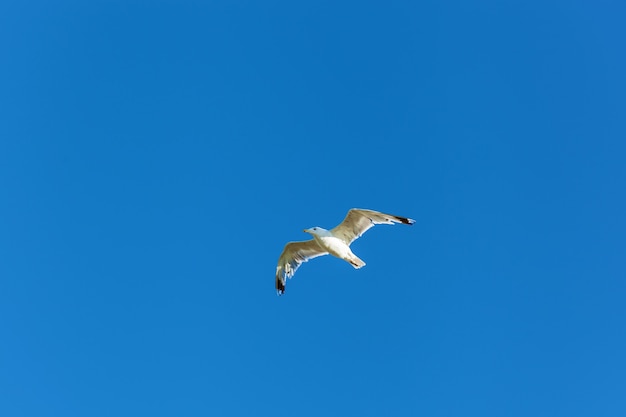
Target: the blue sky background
(156, 156)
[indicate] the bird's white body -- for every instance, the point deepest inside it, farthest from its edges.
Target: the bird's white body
(334, 246)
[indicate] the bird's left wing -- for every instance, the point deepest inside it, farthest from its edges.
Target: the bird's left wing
(359, 221)
(294, 254)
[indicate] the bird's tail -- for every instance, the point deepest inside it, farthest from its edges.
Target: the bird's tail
(356, 262)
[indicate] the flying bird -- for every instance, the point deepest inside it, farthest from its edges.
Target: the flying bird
(335, 241)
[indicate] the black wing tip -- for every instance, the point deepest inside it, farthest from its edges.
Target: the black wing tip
(280, 287)
(406, 220)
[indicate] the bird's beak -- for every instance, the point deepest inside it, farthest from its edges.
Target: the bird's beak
(306, 230)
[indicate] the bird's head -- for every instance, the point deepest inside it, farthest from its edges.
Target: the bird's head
(317, 231)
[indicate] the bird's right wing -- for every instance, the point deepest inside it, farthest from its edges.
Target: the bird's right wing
(294, 254)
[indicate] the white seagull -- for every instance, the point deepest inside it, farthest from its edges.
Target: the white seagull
(335, 242)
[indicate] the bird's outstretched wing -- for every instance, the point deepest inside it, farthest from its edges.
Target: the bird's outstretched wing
(294, 254)
(359, 221)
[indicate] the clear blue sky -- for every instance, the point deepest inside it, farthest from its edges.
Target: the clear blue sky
(156, 156)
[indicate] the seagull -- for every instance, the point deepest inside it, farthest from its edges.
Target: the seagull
(335, 242)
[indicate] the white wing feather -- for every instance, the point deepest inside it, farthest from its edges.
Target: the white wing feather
(293, 255)
(359, 221)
